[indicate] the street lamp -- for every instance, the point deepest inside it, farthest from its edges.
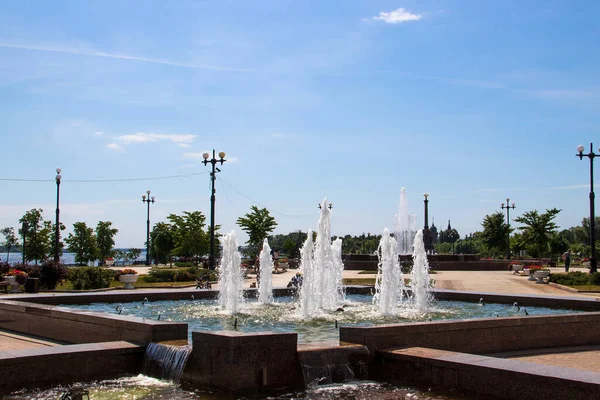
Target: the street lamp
(148, 200)
(508, 207)
(213, 161)
(57, 233)
(591, 155)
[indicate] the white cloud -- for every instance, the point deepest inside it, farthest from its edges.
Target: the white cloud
(98, 133)
(114, 146)
(397, 16)
(142, 137)
(184, 145)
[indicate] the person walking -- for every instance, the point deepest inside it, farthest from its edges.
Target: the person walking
(567, 258)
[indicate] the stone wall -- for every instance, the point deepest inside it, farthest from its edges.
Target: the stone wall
(74, 326)
(239, 363)
(42, 367)
(481, 336)
(484, 376)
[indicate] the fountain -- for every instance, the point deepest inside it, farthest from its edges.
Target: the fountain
(230, 274)
(389, 284)
(420, 283)
(405, 226)
(265, 286)
(322, 265)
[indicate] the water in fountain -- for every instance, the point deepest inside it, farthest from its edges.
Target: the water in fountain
(165, 362)
(420, 283)
(230, 274)
(322, 266)
(265, 288)
(404, 224)
(389, 285)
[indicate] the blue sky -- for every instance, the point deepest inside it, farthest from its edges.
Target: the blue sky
(471, 102)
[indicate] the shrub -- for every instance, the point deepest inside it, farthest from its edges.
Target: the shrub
(86, 278)
(4, 267)
(184, 264)
(34, 271)
(51, 274)
(574, 278)
(184, 276)
(20, 276)
(160, 275)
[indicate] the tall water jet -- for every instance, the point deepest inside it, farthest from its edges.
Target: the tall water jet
(322, 266)
(307, 290)
(420, 281)
(405, 226)
(389, 284)
(230, 274)
(265, 286)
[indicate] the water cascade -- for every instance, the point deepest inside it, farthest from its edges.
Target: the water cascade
(389, 284)
(420, 281)
(404, 225)
(230, 274)
(322, 266)
(165, 362)
(265, 287)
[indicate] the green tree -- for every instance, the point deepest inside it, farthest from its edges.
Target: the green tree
(257, 224)
(537, 230)
(105, 240)
(132, 254)
(38, 235)
(162, 242)
(10, 239)
(82, 242)
(190, 238)
(495, 233)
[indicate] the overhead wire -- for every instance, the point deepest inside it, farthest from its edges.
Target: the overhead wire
(155, 178)
(299, 216)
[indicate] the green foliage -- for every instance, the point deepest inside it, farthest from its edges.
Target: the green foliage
(363, 244)
(82, 242)
(537, 230)
(257, 224)
(162, 240)
(51, 274)
(10, 239)
(495, 233)
(38, 238)
(86, 278)
(575, 279)
(105, 240)
(160, 275)
(133, 254)
(189, 238)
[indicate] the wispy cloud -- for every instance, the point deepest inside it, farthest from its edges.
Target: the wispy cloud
(114, 146)
(86, 51)
(573, 187)
(184, 145)
(143, 137)
(397, 16)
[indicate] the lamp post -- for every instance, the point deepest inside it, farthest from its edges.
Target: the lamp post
(24, 229)
(591, 155)
(508, 207)
(426, 233)
(148, 200)
(57, 233)
(213, 161)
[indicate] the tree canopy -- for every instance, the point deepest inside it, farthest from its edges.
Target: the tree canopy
(537, 230)
(257, 224)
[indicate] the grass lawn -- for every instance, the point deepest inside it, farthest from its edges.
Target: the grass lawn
(589, 288)
(359, 281)
(367, 273)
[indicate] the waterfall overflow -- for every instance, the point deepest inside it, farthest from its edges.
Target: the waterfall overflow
(165, 361)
